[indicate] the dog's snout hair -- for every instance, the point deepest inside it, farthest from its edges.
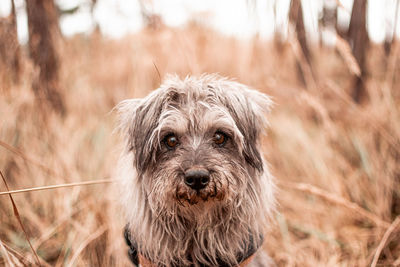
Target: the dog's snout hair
(194, 178)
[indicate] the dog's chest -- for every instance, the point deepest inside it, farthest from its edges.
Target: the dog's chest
(245, 258)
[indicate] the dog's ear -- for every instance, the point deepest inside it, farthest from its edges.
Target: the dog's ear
(249, 108)
(126, 110)
(260, 105)
(256, 121)
(138, 120)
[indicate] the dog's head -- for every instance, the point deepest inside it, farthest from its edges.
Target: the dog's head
(194, 142)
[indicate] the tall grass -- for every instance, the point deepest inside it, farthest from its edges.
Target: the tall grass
(336, 163)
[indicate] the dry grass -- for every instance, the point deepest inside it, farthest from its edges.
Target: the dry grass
(336, 163)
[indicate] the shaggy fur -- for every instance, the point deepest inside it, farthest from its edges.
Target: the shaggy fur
(173, 224)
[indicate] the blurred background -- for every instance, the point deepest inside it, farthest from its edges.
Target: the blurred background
(333, 143)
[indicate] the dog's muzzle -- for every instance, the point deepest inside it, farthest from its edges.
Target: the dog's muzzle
(197, 185)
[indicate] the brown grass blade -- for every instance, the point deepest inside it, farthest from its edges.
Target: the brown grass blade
(103, 181)
(384, 239)
(396, 262)
(311, 83)
(158, 72)
(23, 260)
(92, 237)
(25, 157)
(16, 213)
(345, 51)
(336, 200)
(6, 255)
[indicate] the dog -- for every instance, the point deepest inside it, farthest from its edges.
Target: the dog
(195, 188)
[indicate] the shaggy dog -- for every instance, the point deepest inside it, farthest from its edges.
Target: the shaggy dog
(196, 190)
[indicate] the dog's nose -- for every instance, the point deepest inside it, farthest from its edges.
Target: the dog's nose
(197, 179)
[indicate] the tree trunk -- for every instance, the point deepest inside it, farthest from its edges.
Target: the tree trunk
(44, 33)
(9, 48)
(296, 18)
(358, 39)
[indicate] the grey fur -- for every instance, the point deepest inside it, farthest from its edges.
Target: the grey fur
(171, 222)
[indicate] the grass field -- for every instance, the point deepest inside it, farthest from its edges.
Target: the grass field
(336, 163)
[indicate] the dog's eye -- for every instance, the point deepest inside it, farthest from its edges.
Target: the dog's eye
(220, 138)
(170, 141)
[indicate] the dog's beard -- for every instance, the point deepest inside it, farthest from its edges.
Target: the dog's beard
(215, 191)
(168, 195)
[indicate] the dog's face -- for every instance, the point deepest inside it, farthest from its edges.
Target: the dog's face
(194, 143)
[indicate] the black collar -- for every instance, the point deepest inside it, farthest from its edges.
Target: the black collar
(249, 251)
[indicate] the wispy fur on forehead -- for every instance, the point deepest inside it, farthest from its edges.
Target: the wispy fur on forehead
(171, 233)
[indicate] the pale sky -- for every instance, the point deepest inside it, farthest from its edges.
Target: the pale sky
(240, 18)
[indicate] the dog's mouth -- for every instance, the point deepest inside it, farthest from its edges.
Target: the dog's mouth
(185, 195)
